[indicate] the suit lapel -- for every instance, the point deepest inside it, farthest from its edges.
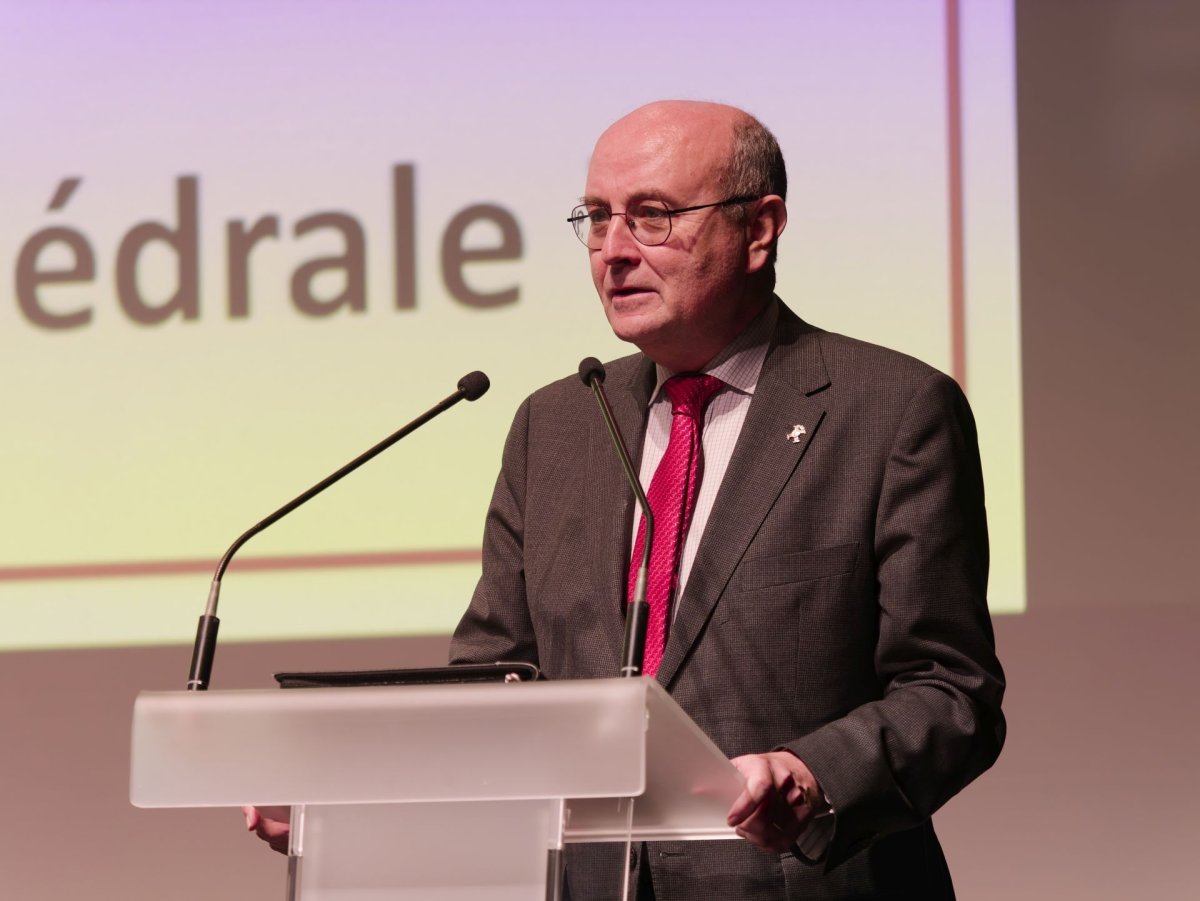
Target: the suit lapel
(763, 460)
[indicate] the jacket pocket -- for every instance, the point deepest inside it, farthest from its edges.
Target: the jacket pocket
(799, 566)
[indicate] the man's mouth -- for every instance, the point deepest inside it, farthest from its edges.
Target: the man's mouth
(627, 291)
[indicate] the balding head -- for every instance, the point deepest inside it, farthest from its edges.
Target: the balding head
(679, 117)
(752, 163)
(682, 300)
(737, 149)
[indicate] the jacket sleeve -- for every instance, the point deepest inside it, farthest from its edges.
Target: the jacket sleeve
(889, 764)
(496, 625)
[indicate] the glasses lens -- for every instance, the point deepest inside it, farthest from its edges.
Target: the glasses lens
(591, 224)
(650, 222)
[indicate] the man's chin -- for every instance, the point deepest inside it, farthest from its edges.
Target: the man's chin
(639, 330)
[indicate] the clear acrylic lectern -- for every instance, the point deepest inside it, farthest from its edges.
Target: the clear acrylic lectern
(439, 793)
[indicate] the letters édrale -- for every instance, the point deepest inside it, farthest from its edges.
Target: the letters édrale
(181, 240)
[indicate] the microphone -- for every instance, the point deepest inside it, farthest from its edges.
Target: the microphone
(637, 612)
(471, 386)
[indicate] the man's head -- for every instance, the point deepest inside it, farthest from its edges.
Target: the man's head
(683, 300)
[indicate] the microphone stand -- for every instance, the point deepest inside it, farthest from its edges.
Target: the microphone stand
(470, 387)
(637, 613)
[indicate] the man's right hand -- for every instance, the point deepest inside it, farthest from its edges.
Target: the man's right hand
(271, 824)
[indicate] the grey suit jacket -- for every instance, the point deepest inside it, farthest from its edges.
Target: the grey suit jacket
(836, 606)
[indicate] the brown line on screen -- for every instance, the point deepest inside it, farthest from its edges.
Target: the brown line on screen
(958, 337)
(135, 568)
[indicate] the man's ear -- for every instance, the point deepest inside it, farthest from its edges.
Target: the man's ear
(764, 225)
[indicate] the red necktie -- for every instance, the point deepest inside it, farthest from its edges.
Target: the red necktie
(672, 497)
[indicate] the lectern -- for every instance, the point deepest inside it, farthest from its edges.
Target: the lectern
(444, 792)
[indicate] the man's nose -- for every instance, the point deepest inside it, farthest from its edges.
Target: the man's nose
(619, 242)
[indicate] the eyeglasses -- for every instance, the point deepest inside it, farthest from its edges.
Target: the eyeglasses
(649, 221)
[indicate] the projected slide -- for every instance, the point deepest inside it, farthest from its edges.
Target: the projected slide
(241, 243)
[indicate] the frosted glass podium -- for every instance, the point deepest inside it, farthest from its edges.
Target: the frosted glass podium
(442, 792)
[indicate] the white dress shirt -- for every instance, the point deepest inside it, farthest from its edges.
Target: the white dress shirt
(738, 366)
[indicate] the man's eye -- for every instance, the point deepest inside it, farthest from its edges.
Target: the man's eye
(649, 213)
(599, 216)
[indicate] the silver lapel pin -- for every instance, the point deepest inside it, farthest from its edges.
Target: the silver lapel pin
(794, 435)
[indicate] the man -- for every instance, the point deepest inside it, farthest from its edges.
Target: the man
(823, 617)
(829, 628)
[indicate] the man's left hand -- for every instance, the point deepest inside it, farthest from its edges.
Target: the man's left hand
(780, 799)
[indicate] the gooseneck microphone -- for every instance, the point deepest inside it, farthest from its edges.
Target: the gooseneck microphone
(637, 612)
(471, 386)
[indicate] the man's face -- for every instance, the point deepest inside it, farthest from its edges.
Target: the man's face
(681, 302)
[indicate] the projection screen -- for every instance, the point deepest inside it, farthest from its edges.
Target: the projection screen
(232, 265)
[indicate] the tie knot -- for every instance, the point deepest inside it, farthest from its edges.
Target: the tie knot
(690, 394)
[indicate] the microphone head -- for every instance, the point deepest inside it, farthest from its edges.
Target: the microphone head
(474, 385)
(591, 369)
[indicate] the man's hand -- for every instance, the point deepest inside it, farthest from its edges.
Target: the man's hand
(271, 824)
(780, 799)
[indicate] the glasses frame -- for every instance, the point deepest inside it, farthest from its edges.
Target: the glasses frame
(576, 218)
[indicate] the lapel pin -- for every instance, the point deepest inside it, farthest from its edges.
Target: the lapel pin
(794, 435)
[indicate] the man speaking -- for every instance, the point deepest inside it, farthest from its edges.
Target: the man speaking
(821, 552)
(818, 581)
